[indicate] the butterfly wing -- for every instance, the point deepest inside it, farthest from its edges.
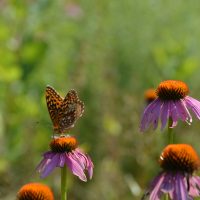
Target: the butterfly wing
(72, 109)
(54, 102)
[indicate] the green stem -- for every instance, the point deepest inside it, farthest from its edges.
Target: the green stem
(64, 183)
(166, 197)
(170, 132)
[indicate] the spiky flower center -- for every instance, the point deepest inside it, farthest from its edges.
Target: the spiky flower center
(172, 90)
(179, 157)
(63, 144)
(150, 95)
(35, 191)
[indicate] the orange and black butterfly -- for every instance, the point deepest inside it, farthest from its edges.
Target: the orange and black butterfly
(64, 112)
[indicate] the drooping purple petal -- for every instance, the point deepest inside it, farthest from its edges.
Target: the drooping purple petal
(155, 193)
(195, 101)
(180, 192)
(47, 158)
(164, 114)
(75, 167)
(79, 159)
(194, 105)
(62, 160)
(84, 158)
(84, 161)
(183, 111)
(194, 186)
(146, 115)
(173, 114)
(151, 114)
(164, 109)
(167, 186)
(90, 167)
(41, 165)
(189, 118)
(155, 115)
(50, 166)
(175, 185)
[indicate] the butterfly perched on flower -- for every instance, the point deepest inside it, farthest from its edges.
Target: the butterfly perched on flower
(64, 112)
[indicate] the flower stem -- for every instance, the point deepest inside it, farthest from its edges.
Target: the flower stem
(170, 132)
(166, 197)
(64, 183)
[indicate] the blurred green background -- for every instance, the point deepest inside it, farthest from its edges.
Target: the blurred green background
(110, 52)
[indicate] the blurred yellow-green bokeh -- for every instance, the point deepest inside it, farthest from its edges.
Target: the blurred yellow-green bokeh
(110, 52)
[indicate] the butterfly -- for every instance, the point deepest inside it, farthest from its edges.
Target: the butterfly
(64, 112)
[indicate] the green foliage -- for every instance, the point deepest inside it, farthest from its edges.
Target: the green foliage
(110, 52)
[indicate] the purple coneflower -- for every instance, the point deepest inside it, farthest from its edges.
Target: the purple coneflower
(178, 161)
(173, 102)
(65, 151)
(35, 191)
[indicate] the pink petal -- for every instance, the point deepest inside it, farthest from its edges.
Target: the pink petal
(194, 186)
(50, 166)
(62, 160)
(151, 114)
(156, 114)
(180, 192)
(156, 193)
(183, 111)
(88, 165)
(44, 161)
(194, 105)
(167, 186)
(75, 167)
(84, 161)
(173, 114)
(145, 116)
(164, 113)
